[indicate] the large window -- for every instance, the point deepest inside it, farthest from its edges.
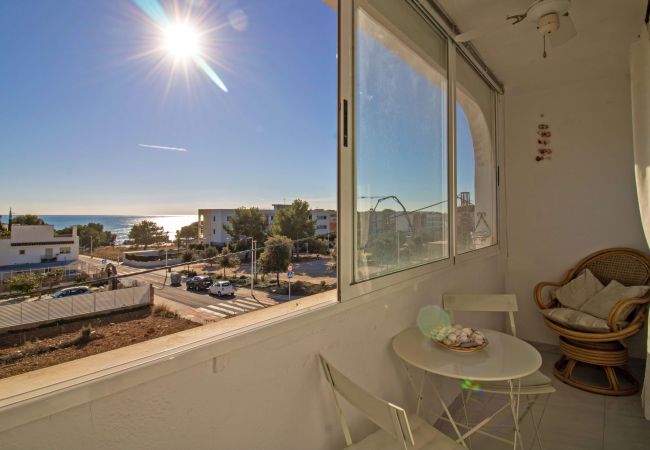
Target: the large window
(401, 142)
(410, 195)
(475, 160)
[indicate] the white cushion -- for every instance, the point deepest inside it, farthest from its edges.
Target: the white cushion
(602, 303)
(577, 320)
(576, 292)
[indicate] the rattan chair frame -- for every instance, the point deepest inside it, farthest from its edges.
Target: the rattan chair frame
(628, 266)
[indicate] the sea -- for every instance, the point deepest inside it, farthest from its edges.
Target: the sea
(121, 225)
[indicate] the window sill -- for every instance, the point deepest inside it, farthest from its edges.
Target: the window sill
(34, 395)
(482, 253)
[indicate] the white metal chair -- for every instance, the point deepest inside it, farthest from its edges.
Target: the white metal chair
(397, 431)
(532, 385)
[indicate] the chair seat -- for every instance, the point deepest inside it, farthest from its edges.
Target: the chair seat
(535, 383)
(426, 437)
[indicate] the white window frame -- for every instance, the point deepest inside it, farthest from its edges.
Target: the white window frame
(348, 287)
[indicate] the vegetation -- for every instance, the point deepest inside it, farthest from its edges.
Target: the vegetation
(92, 232)
(187, 257)
(210, 253)
(315, 245)
(27, 219)
(246, 222)
(295, 221)
(165, 311)
(25, 283)
(147, 233)
(227, 260)
(187, 234)
(276, 255)
(53, 277)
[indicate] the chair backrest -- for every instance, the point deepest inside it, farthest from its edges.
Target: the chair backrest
(625, 265)
(482, 303)
(388, 417)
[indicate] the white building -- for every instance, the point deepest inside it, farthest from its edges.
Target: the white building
(211, 223)
(325, 221)
(36, 244)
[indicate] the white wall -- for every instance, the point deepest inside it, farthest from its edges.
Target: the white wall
(268, 396)
(582, 200)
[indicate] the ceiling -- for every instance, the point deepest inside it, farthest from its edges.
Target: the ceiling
(606, 28)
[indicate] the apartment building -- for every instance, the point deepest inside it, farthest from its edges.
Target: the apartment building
(211, 223)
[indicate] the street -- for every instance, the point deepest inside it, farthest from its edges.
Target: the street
(195, 305)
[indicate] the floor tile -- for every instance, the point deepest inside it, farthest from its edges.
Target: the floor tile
(625, 432)
(571, 426)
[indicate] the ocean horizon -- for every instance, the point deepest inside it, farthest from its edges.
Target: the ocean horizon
(121, 224)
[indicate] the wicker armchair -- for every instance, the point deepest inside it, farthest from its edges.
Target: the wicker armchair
(605, 350)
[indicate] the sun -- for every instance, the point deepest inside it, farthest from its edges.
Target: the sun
(181, 40)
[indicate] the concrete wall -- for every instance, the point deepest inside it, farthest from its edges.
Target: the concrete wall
(582, 200)
(268, 396)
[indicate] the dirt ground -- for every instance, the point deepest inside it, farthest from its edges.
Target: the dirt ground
(114, 335)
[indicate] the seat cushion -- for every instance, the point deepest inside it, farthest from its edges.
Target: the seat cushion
(426, 437)
(577, 320)
(576, 292)
(602, 303)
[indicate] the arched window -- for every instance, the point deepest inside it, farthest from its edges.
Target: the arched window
(475, 160)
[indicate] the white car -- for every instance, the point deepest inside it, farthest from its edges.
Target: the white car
(222, 288)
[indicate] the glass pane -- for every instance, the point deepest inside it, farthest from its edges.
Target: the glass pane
(401, 142)
(476, 219)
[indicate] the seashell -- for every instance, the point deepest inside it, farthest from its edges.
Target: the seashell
(446, 342)
(463, 338)
(467, 331)
(453, 337)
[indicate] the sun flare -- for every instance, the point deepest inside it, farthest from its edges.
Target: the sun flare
(182, 41)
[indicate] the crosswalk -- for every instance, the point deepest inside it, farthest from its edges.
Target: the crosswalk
(230, 308)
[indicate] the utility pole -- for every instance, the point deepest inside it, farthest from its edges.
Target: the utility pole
(253, 263)
(91, 246)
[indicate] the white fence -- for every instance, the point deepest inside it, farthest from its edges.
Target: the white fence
(69, 307)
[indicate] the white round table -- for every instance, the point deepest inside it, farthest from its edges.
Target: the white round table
(504, 358)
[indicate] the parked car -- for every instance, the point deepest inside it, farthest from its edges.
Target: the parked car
(221, 288)
(198, 283)
(68, 292)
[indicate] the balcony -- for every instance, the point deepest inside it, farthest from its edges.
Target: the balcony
(254, 381)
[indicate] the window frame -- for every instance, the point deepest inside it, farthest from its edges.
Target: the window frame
(348, 287)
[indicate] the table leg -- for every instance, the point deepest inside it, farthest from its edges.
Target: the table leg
(418, 391)
(514, 407)
(460, 439)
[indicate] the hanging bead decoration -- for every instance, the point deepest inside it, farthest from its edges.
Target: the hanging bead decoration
(543, 141)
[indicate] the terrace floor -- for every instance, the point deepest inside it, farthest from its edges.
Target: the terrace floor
(570, 419)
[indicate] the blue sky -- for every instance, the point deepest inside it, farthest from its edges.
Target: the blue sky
(78, 96)
(400, 143)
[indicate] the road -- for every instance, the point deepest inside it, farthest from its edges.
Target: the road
(205, 307)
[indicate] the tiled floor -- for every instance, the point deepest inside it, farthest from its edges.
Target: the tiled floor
(570, 419)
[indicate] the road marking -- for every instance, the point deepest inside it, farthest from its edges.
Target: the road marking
(248, 301)
(214, 313)
(236, 308)
(247, 306)
(228, 311)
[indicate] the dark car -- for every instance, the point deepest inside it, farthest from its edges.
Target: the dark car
(68, 292)
(198, 283)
